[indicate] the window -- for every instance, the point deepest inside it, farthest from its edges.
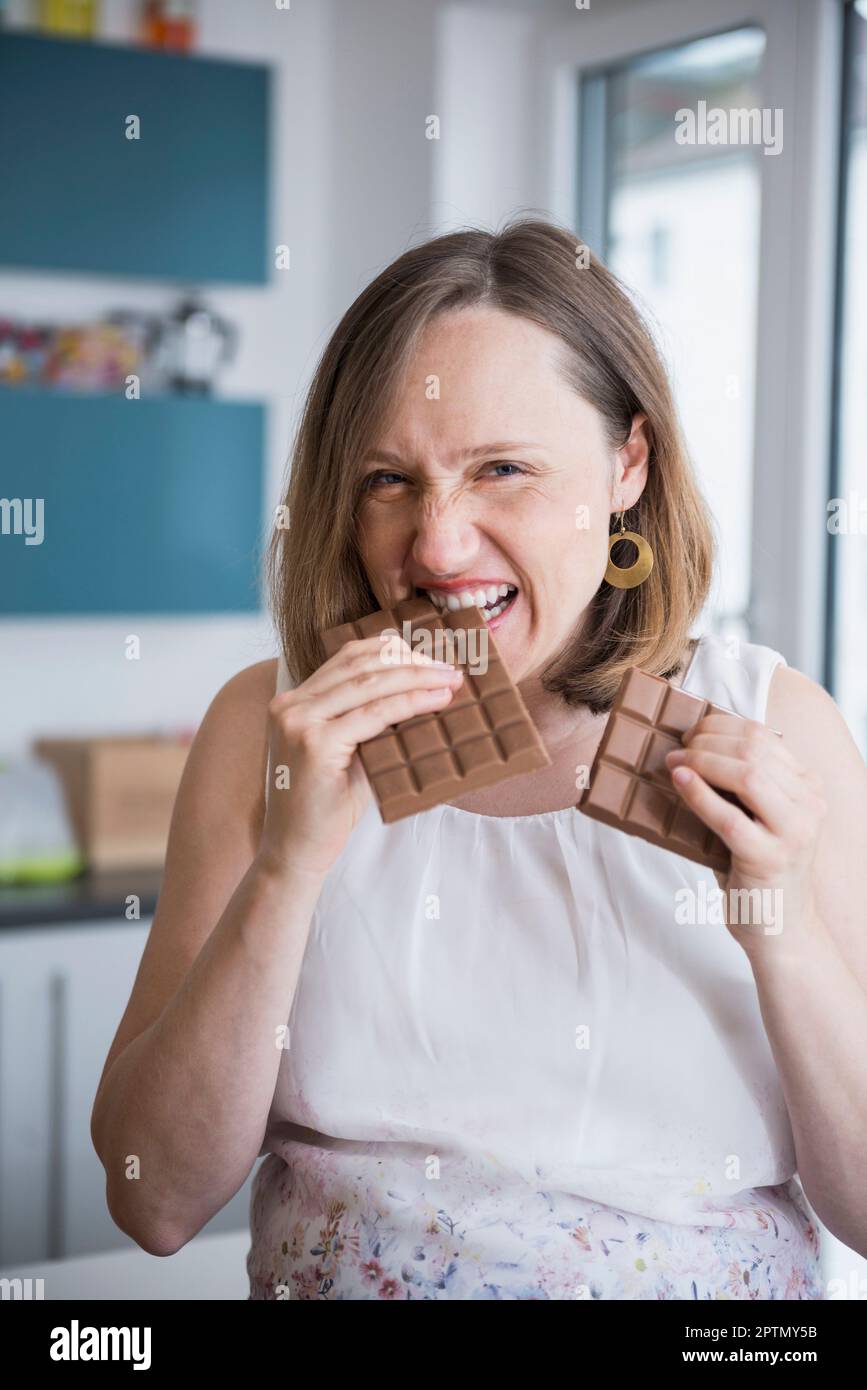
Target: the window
(673, 209)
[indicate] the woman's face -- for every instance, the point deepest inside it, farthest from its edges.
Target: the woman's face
(497, 475)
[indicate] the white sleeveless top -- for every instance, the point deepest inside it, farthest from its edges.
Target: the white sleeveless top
(514, 1072)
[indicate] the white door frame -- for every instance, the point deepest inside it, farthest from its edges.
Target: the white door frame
(801, 75)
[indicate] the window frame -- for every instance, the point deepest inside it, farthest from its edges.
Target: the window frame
(790, 600)
(835, 470)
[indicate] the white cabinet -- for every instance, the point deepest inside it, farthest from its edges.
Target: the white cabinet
(63, 989)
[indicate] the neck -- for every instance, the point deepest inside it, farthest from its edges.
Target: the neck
(555, 720)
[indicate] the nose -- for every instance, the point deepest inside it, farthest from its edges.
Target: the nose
(446, 542)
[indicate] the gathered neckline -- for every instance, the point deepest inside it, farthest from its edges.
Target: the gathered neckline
(564, 810)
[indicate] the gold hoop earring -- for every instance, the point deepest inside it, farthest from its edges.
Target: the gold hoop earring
(637, 572)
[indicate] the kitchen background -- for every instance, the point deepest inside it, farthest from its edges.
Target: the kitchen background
(191, 195)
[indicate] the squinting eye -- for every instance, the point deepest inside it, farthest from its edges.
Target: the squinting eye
(373, 478)
(384, 479)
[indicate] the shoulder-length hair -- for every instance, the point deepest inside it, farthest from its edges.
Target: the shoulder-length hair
(531, 268)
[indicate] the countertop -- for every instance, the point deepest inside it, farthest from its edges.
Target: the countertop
(92, 897)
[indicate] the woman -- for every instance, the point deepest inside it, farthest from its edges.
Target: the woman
(485, 1053)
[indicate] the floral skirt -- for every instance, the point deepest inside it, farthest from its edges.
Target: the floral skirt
(328, 1224)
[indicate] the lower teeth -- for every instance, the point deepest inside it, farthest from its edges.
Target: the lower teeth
(497, 609)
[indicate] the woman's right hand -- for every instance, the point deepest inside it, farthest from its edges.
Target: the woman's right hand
(314, 730)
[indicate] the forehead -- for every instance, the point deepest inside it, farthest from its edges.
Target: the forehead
(480, 375)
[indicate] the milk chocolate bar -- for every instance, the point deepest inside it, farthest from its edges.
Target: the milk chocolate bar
(630, 783)
(484, 733)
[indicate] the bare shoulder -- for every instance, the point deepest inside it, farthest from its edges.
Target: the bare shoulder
(220, 803)
(253, 685)
(230, 747)
(249, 689)
(816, 733)
(810, 721)
(818, 737)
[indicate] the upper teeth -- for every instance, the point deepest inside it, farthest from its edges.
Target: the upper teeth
(470, 598)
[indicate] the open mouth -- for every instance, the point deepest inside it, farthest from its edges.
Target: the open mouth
(492, 599)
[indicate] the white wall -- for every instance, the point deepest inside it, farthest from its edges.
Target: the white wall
(483, 163)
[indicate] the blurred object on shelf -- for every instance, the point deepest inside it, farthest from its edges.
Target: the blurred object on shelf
(168, 24)
(141, 332)
(89, 357)
(191, 346)
(23, 350)
(120, 792)
(37, 842)
(180, 353)
(94, 357)
(77, 17)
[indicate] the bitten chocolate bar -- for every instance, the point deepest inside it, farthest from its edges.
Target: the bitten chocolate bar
(482, 736)
(630, 783)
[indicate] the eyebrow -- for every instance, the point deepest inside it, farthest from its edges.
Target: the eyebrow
(386, 456)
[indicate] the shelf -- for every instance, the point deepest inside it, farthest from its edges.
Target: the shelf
(39, 389)
(188, 201)
(150, 506)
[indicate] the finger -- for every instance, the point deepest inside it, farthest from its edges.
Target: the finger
(366, 721)
(765, 745)
(360, 655)
(729, 724)
(747, 839)
(776, 809)
(372, 663)
(378, 682)
(786, 774)
(375, 651)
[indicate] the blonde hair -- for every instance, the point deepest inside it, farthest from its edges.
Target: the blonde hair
(314, 571)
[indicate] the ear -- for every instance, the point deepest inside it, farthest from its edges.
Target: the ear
(630, 465)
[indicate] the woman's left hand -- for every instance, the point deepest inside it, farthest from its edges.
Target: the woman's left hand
(772, 851)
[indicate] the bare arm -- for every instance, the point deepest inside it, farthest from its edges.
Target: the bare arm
(809, 961)
(814, 999)
(190, 1076)
(189, 1095)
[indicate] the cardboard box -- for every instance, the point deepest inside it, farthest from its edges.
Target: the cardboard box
(120, 793)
